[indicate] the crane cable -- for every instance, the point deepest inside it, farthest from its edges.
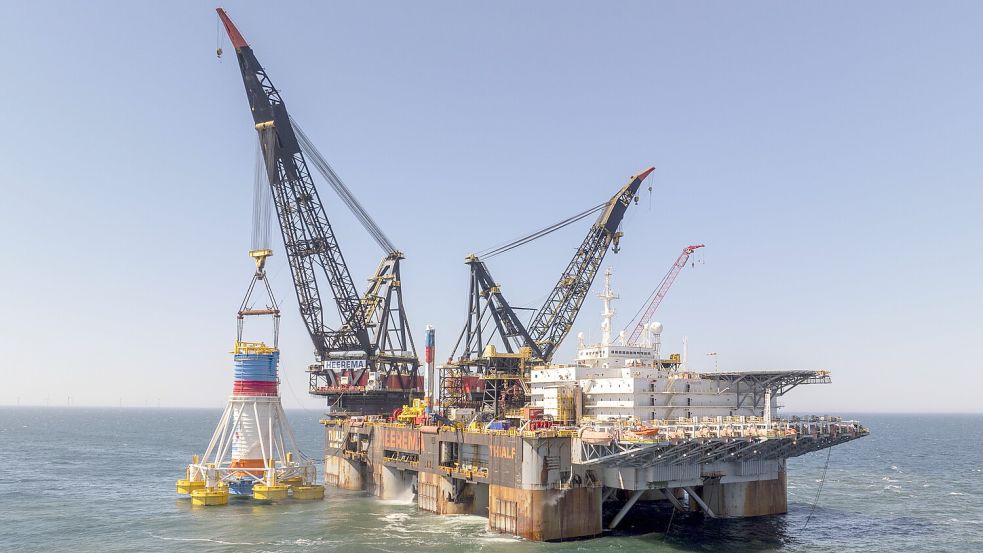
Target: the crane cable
(495, 250)
(218, 37)
(262, 200)
(343, 191)
(631, 322)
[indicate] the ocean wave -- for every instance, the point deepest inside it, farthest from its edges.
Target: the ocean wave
(210, 540)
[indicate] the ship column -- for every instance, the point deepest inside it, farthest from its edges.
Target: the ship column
(747, 499)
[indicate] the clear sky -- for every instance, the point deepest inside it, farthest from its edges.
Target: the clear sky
(828, 155)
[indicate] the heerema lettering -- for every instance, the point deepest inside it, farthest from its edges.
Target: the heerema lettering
(344, 364)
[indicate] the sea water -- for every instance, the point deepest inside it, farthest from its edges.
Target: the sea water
(89, 479)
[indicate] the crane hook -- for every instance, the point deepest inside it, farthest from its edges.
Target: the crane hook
(218, 37)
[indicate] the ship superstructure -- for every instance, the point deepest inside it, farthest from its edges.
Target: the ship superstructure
(636, 384)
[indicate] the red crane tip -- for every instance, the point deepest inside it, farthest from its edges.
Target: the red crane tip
(234, 35)
(645, 173)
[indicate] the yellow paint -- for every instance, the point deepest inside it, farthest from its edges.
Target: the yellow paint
(308, 492)
(490, 351)
(252, 348)
(411, 412)
(294, 481)
(186, 487)
(260, 257)
(264, 125)
(210, 496)
(274, 492)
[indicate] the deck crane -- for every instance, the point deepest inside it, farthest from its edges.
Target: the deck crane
(368, 364)
(661, 292)
(506, 373)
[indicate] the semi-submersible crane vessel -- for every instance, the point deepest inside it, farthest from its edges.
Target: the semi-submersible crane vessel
(545, 451)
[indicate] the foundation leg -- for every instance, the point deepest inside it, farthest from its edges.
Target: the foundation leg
(624, 510)
(699, 500)
(671, 496)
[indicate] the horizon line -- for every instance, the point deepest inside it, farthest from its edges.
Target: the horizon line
(219, 408)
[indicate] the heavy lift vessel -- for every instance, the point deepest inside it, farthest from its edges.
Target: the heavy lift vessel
(490, 451)
(368, 363)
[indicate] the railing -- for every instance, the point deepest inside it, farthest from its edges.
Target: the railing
(755, 427)
(655, 431)
(467, 471)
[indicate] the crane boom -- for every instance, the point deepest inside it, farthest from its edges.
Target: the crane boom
(506, 373)
(661, 292)
(309, 240)
(369, 363)
(555, 318)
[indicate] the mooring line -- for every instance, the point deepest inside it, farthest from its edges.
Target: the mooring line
(829, 451)
(669, 526)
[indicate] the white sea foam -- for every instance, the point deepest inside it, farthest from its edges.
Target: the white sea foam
(407, 497)
(210, 540)
(495, 537)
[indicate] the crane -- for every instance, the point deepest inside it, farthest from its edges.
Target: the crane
(368, 363)
(505, 373)
(661, 292)
(555, 318)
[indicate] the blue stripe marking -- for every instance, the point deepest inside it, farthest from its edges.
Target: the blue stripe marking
(260, 367)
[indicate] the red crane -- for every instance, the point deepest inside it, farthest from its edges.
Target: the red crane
(661, 292)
